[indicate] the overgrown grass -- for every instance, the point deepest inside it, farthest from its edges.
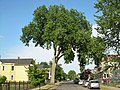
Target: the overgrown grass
(104, 88)
(114, 84)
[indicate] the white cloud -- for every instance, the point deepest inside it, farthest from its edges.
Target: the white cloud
(39, 54)
(94, 32)
(71, 66)
(30, 52)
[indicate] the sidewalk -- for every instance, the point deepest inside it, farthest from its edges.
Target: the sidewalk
(109, 88)
(48, 86)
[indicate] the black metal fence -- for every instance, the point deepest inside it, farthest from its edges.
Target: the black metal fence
(16, 86)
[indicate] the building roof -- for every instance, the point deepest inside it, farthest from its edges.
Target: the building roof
(40, 66)
(17, 61)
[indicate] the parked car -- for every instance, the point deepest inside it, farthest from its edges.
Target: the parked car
(85, 83)
(94, 84)
(76, 81)
(80, 82)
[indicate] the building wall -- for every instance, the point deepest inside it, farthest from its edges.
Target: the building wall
(21, 73)
(18, 74)
(7, 70)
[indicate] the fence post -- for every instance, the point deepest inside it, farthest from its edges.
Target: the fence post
(27, 85)
(15, 85)
(19, 85)
(6, 85)
(0, 86)
(23, 85)
(9, 85)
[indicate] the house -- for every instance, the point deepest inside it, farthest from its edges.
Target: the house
(116, 76)
(15, 69)
(110, 63)
(107, 66)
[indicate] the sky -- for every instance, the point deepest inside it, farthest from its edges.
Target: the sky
(15, 14)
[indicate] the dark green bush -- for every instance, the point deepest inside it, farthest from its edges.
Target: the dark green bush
(3, 79)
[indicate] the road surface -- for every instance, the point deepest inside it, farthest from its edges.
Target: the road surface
(69, 85)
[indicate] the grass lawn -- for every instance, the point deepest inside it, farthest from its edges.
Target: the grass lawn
(104, 88)
(115, 84)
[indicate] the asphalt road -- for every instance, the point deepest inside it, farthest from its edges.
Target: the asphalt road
(69, 85)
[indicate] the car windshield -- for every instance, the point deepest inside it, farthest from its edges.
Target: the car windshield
(94, 81)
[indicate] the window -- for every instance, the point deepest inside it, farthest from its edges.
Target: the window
(107, 75)
(3, 68)
(11, 77)
(115, 74)
(104, 75)
(12, 68)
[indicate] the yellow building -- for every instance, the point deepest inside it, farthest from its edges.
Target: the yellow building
(15, 69)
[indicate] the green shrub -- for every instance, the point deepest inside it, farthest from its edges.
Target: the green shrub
(3, 79)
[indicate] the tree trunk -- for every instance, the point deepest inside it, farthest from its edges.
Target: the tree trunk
(53, 70)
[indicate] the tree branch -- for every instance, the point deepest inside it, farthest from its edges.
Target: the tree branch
(54, 49)
(59, 51)
(60, 57)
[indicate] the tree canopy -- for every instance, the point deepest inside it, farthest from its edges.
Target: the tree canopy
(60, 74)
(59, 27)
(72, 75)
(45, 64)
(67, 31)
(35, 75)
(108, 21)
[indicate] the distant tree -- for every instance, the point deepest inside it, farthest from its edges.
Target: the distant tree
(64, 76)
(108, 21)
(60, 75)
(72, 75)
(45, 64)
(2, 79)
(36, 76)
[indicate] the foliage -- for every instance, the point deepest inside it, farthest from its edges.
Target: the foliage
(92, 76)
(64, 32)
(72, 75)
(67, 31)
(109, 22)
(36, 76)
(3, 79)
(60, 75)
(97, 48)
(45, 64)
